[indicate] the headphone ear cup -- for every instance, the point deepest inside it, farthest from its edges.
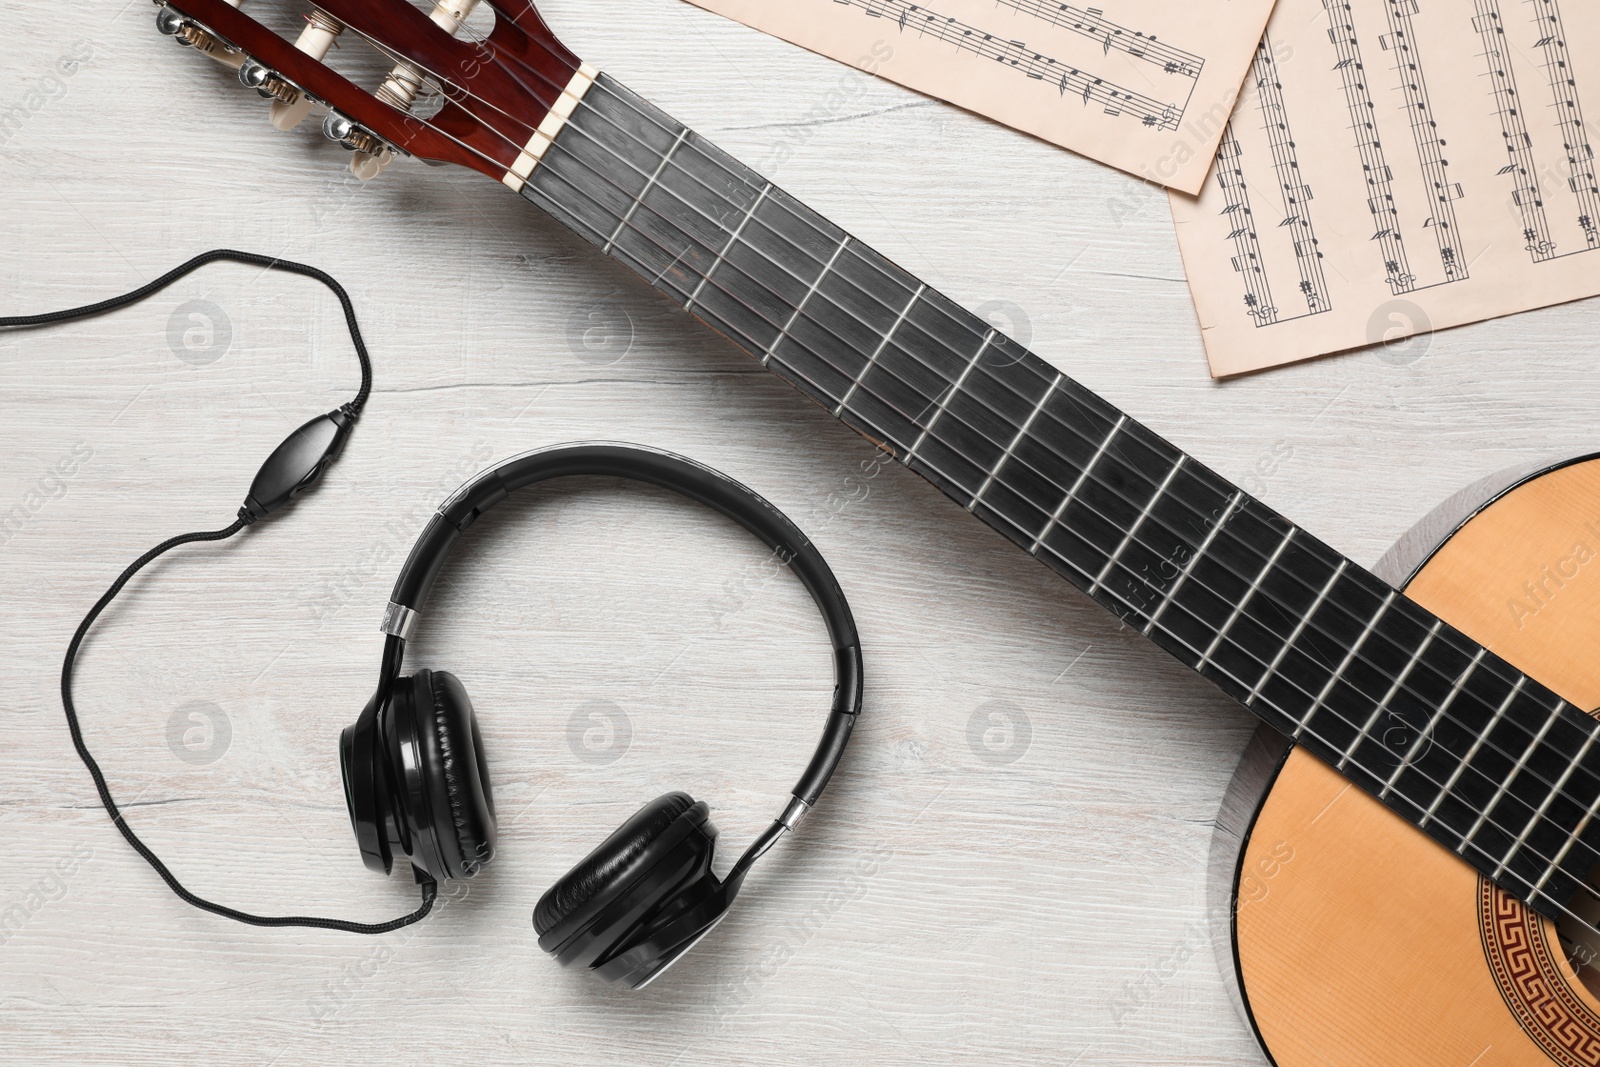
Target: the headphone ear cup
(631, 880)
(609, 866)
(455, 777)
(365, 795)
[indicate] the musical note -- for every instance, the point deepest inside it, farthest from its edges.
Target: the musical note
(1430, 147)
(1110, 36)
(1374, 162)
(1246, 244)
(1113, 99)
(1579, 152)
(1514, 131)
(1452, 198)
(1293, 194)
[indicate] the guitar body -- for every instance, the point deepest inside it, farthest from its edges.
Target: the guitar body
(1358, 940)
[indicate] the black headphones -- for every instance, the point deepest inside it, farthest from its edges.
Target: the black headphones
(413, 768)
(418, 788)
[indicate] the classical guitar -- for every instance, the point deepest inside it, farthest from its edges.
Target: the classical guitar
(1413, 888)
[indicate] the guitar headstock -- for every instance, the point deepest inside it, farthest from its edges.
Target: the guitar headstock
(491, 101)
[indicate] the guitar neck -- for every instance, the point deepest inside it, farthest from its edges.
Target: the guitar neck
(1484, 759)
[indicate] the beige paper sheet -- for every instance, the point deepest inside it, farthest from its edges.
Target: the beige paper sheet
(1394, 167)
(1126, 82)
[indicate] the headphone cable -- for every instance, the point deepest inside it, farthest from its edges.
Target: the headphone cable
(247, 516)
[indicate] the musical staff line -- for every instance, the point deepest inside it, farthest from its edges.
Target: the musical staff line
(1091, 23)
(1068, 80)
(1295, 193)
(1375, 167)
(1425, 134)
(1523, 169)
(1247, 258)
(1569, 114)
(1484, 93)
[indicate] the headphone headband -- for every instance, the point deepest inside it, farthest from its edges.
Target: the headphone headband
(669, 471)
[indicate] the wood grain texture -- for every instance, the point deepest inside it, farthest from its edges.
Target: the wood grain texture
(941, 904)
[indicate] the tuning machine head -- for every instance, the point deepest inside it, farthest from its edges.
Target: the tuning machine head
(185, 31)
(340, 128)
(321, 31)
(289, 104)
(267, 82)
(454, 93)
(401, 88)
(371, 154)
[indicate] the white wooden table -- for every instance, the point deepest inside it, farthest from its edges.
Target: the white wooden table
(965, 891)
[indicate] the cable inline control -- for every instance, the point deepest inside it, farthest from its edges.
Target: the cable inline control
(292, 468)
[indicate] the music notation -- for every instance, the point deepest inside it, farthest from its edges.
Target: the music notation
(1374, 162)
(1091, 23)
(1552, 42)
(1142, 85)
(1070, 81)
(1251, 258)
(1293, 191)
(1247, 258)
(1544, 240)
(1466, 187)
(1425, 134)
(1522, 168)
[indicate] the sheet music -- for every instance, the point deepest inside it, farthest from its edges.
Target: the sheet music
(1123, 82)
(1393, 167)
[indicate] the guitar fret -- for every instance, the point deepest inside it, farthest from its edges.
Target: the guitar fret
(735, 249)
(1234, 502)
(1383, 705)
(1337, 675)
(1300, 628)
(628, 215)
(854, 385)
(1238, 609)
(949, 395)
(783, 334)
(1427, 731)
(1516, 769)
(1077, 484)
(1461, 768)
(1572, 838)
(1022, 432)
(733, 239)
(1133, 529)
(1550, 797)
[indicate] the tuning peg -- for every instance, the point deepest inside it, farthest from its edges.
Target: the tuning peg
(256, 75)
(315, 40)
(371, 154)
(399, 90)
(174, 24)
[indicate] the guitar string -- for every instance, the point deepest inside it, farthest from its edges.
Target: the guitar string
(1493, 746)
(1492, 668)
(1477, 848)
(1533, 851)
(1487, 820)
(1361, 731)
(1147, 480)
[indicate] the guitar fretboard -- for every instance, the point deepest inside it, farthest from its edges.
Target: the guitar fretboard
(1485, 760)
